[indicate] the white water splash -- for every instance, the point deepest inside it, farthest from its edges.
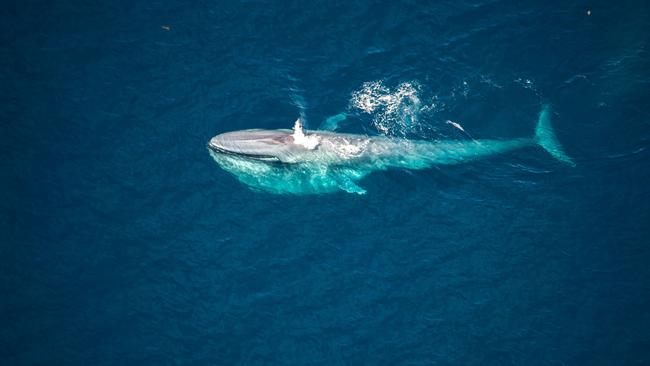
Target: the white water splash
(396, 112)
(308, 141)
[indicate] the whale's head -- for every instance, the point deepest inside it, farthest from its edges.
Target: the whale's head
(262, 145)
(283, 161)
(272, 161)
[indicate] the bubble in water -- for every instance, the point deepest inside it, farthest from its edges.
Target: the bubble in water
(395, 111)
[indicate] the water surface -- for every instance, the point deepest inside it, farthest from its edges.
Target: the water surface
(124, 243)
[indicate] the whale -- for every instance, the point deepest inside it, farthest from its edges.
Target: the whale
(300, 161)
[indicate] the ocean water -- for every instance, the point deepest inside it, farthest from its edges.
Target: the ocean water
(123, 242)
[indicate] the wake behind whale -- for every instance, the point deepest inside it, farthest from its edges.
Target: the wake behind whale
(311, 162)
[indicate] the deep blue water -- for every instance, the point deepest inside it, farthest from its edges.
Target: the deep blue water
(123, 242)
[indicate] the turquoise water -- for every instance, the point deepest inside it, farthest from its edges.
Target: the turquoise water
(124, 242)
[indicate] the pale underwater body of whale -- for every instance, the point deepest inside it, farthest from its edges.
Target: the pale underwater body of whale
(286, 161)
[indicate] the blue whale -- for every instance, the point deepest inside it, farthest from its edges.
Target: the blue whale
(310, 162)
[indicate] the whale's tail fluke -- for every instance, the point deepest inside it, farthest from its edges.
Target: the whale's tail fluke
(545, 137)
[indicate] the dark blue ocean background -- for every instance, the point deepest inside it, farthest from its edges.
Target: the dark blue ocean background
(123, 243)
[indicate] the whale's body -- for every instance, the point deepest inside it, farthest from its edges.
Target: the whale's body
(279, 161)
